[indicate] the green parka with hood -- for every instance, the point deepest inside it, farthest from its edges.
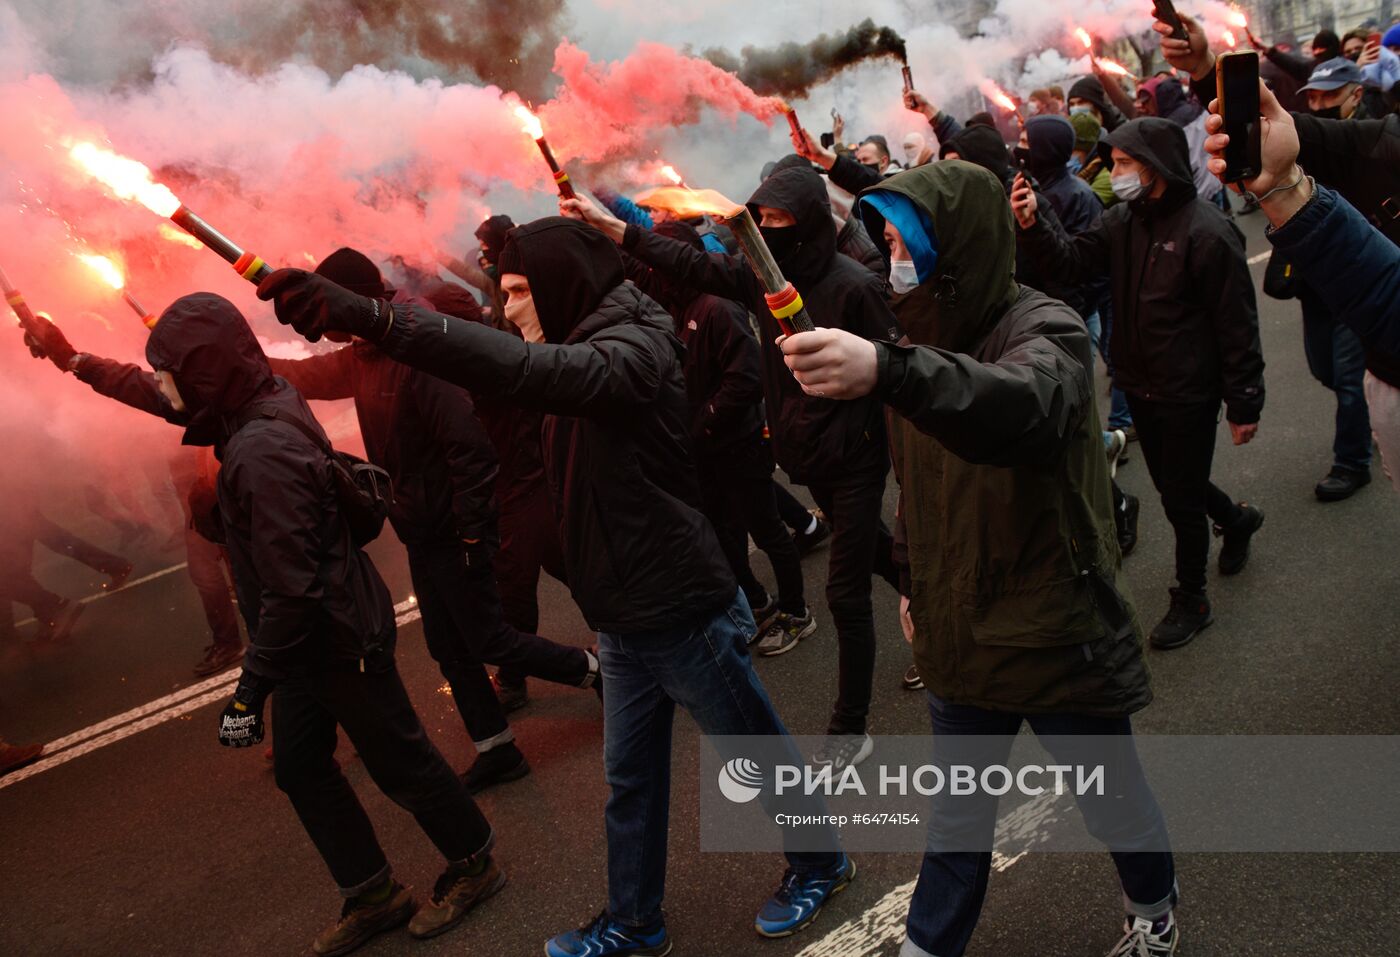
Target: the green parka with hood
(1013, 565)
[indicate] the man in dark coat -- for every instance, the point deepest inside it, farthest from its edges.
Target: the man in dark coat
(1185, 338)
(1014, 597)
(320, 620)
(837, 449)
(424, 433)
(1088, 93)
(733, 456)
(602, 361)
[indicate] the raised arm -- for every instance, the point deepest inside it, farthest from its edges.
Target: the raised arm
(330, 375)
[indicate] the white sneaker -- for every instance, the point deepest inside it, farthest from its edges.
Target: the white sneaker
(1143, 938)
(1117, 442)
(840, 751)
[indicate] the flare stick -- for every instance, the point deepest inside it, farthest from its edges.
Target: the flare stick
(23, 313)
(148, 319)
(246, 264)
(783, 299)
(561, 178)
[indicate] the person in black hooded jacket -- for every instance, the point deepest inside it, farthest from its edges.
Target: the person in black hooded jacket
(424, 433)
(1185, 338)
(838, 450)
(733, 457)
(319, 617)
(603, 362)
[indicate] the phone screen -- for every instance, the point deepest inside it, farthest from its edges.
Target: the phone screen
(1237, 87)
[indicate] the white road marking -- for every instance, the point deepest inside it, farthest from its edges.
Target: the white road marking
(108, 594)
(153, 713)
(882, 924)
(1256, 260)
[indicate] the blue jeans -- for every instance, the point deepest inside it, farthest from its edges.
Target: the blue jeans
(1101, 327)
(1337, 359)
(705, 668)
(952, 884)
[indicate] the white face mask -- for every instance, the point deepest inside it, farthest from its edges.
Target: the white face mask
(1128, 187)
(904, 277)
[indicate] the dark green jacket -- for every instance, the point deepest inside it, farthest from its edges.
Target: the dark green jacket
(1016, 593)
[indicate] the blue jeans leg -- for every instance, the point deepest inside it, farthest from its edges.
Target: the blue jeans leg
(705, 668)
(1337, 359)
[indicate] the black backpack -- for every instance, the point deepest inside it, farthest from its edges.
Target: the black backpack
(364, 490)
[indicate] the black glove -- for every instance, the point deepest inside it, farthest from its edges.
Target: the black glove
(478, 553)
(313, 306)
(46, 341)
(241, 724)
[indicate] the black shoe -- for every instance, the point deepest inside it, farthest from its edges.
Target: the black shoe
(1187, 616)
(118, 576)
(1342, 483)
(501, 764)
(218, 658)
(807, 541)
(512, 697)
(912, 680)
(1234, 552)
(1128, 524)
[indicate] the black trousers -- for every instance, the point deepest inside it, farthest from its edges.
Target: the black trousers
(17, 581)
(794, 514)
(1178, 444)
(740, 503)
(465, 628)
(529, 543)
(861, 546)
(373, 708)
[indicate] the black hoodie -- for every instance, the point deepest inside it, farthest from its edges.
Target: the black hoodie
(639, 554)
(1185, 325)
(1089, 88)
(312, 601)
(817, 441)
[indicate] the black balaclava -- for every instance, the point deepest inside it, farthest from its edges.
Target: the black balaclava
(492, 236)
(353, 270)
(570, 266)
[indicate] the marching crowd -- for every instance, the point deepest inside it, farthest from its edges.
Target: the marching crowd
(611, 406)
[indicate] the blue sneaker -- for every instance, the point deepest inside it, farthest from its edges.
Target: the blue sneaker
(799, 899)
(603, 937)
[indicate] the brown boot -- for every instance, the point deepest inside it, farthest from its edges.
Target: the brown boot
(359, 922)
(456, 893)
(14, 756)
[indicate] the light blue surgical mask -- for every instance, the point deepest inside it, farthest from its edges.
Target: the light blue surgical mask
(1079, 110)
(1075, 164)
(904, 277)
(1128, 186)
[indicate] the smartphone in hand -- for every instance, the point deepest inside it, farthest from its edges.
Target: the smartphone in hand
(1237, 89)
(1165, 11)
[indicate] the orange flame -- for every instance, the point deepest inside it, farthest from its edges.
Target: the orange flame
(1084, 37)
(998, 96)
(1117, 69)
(530, 123)
(169, 232)
(670, 173)
(125, 177)
(1229, 37)
(105, 269)
(1236, 18)
(687, 203)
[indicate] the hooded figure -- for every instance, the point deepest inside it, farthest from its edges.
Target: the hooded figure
(851, 239)
(837, 449)
(309, 596)
(1018, 604)
(1052, 140)
(1185, 337)
(1170, 101)
(984, 147)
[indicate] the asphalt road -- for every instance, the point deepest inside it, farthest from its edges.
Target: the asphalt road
(160, 842)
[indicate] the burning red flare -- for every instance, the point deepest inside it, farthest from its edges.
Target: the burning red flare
(1236, 18)
(1117, 69)
(530, 123)
(105, 269)
(125, 177)
(670, 173)
(1084, 37)
(1229, 37)
(998, 96)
